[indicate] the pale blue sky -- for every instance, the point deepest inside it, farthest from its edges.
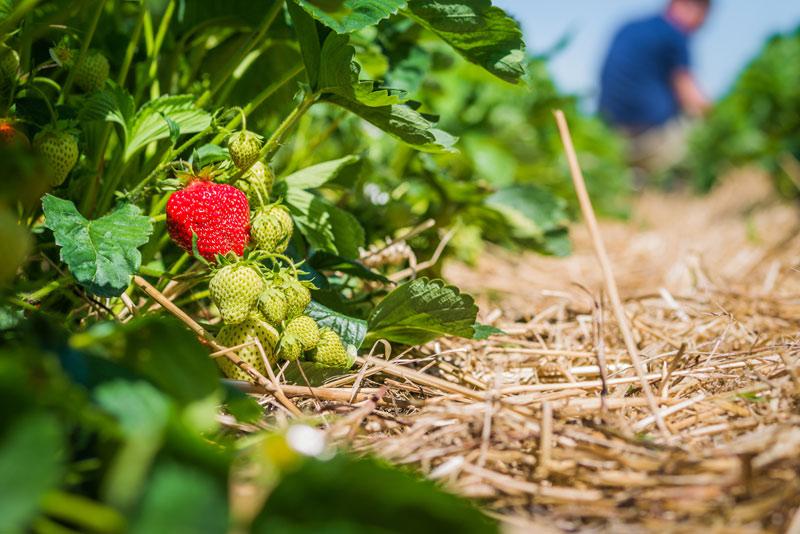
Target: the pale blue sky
(733, 34)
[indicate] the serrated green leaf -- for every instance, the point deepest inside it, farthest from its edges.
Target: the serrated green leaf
(320, 174)
(483, 34)
(113, 104)
(340, 75)
(351, 330)
(420, 311)
(325, 226)
(305, 30)
(101, 254)
(403, 123)
(532, 211)
(30, 464)
(346, 16)
(149, 124)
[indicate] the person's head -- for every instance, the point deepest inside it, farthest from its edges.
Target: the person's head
(688, 14)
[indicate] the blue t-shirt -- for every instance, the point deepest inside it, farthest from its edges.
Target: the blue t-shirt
(636, 83)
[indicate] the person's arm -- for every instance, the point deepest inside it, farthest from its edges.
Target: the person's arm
(691, 98)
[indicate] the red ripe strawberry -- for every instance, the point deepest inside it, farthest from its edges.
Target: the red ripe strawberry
(10, 136)
(218, 213)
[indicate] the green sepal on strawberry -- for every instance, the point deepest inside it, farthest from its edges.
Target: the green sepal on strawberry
(58, 148)
(92, 72)
(244, 148)
(271, 228)
(235, 289)
(330, 351)
(249, 330)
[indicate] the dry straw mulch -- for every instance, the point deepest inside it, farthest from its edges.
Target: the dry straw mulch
(522, 423)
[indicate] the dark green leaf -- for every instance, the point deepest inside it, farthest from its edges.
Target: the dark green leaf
(483, 34)
(30, 465)
(149, 124)
(102, 254)
(113, 104)
(182, 499)
(401, 122)
(531, 210)
(306, 33)
(164, 351)
(208, 154)
(345, 16)
(351, 330)
(321, 173)
(325, 226)
(420, 311)
(354, 495)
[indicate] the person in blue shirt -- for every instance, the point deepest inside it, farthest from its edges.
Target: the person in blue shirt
(647, 89)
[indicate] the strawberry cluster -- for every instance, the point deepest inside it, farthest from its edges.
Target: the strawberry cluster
(254, 303)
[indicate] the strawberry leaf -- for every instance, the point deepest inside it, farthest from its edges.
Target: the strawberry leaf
(160, 118)
(420, 311)
(103, 253)
(483, 34)
(320, 174)
(351, 330)
(346, 16)
(325, 226)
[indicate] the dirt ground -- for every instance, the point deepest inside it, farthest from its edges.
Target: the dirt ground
(551, 427)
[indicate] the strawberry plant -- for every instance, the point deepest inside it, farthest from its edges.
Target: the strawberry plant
(756, 122)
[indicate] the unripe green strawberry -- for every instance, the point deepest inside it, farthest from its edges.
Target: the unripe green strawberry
(290, 349)
(257, 183)
(92, 73)
(235, 289)
(9, 61)
(244, 148)
(272, 305)
(272, 228)
(297, 296)
(9, 65)
(330, 351)
(304, 329)
(247, 331)
(59, 150)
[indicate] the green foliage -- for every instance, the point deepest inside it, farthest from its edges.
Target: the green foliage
(757, 122)
(103, 253)
(483, 34)
(350, 329)
(364, 496)
(422, 310)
